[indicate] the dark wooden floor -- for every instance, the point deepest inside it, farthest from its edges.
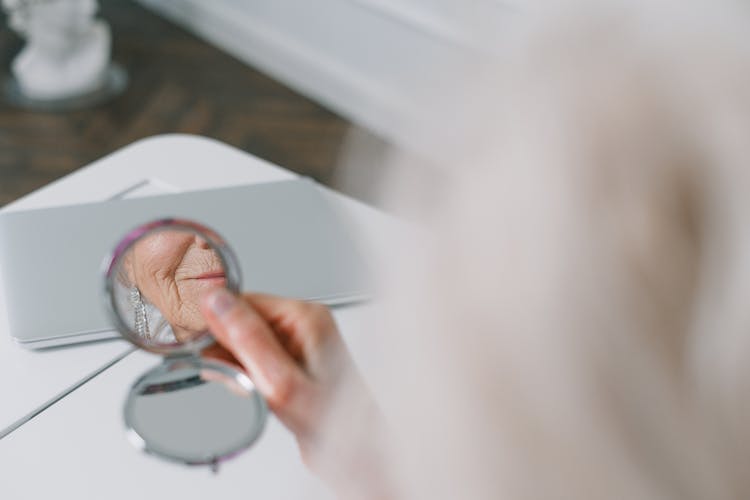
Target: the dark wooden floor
(178, 84)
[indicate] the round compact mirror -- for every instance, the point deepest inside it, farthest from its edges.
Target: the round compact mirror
(189, 409)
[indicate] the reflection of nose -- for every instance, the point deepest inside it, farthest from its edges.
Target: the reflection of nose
(201, 242)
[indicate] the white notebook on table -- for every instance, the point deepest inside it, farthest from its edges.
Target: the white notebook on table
(288, 240)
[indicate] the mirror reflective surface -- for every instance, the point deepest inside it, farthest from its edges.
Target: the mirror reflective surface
(194, 411)
(156, 280)
(187, 409)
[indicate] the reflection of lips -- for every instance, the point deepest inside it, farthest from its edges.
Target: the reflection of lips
(218, 275)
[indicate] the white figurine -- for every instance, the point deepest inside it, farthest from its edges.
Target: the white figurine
(67, 51)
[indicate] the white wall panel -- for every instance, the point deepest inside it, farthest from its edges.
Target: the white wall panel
(366, 59)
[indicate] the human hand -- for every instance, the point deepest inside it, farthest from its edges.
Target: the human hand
(294, 353)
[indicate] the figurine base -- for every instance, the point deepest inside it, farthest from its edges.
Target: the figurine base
(115, 82)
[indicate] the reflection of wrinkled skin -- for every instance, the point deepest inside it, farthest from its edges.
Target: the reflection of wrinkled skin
(172, 270)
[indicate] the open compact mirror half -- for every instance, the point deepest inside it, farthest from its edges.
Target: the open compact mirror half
(189, 409)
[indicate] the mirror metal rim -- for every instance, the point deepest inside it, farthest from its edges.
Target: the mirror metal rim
(228, 260)
(223, 368)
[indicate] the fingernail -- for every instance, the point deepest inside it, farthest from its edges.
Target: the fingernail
(220, 301)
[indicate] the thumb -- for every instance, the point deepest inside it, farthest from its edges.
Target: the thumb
(243, 332)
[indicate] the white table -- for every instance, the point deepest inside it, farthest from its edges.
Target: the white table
(77, 448)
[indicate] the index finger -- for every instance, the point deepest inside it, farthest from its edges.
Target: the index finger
(244, 333)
